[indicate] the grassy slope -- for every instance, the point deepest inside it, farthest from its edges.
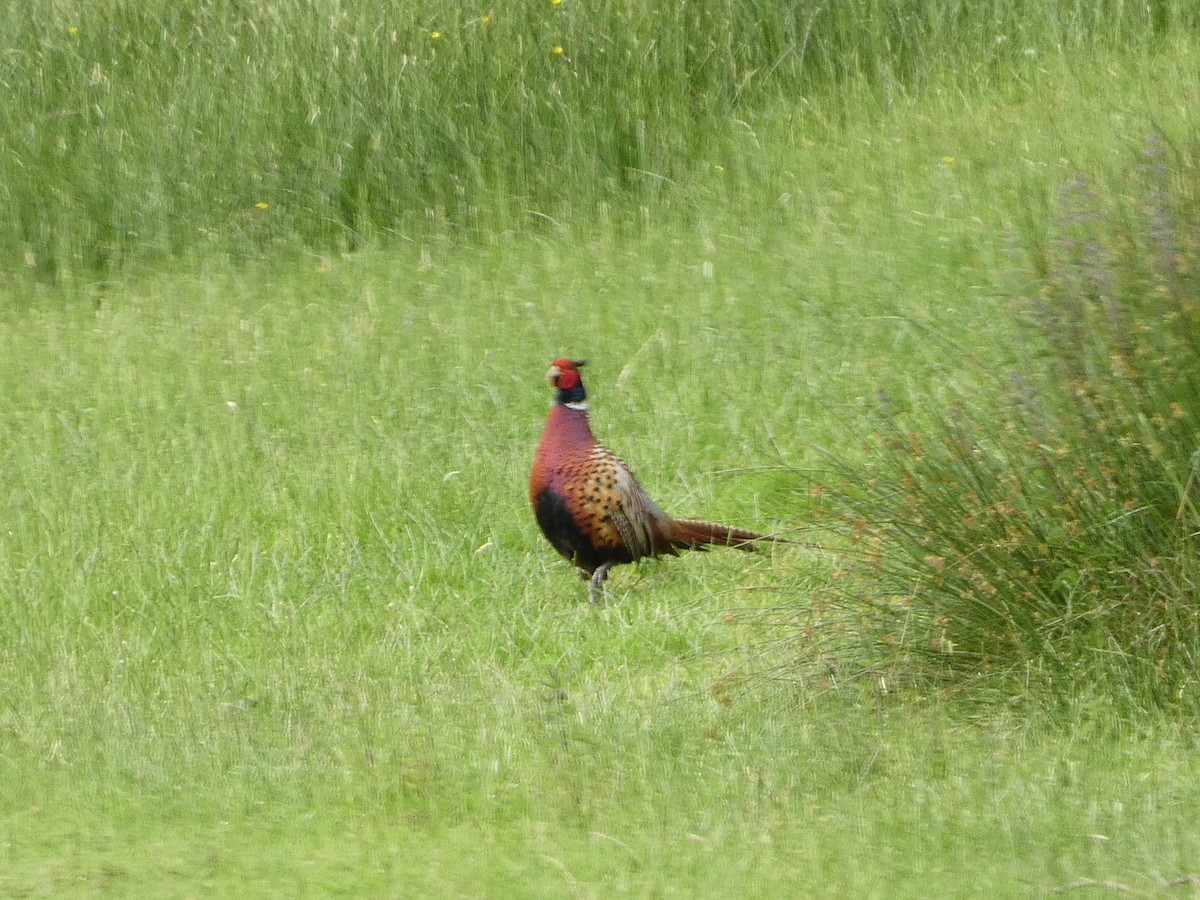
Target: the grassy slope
(503, 791)
(274, 616)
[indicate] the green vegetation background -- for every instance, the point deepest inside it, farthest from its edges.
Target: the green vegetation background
(279, 282)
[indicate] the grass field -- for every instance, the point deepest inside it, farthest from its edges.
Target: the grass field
(275, 619)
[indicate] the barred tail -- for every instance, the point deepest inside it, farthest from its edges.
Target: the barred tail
(693, 535)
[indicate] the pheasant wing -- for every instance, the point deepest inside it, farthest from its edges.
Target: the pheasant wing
(636, 517)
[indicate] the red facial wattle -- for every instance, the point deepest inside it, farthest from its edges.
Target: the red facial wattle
(564, 374)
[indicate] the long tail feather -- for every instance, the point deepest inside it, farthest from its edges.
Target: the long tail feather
(695, 535)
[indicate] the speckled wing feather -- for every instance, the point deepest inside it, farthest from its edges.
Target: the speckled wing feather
(611, 507)
(635, 516)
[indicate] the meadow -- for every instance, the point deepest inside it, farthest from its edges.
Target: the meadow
(276, 301)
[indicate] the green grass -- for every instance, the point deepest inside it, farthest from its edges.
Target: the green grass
(275, 618)
(1042, 531)
(521, 790)
(140, 132)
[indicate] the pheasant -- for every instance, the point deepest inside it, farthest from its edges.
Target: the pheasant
(589, 505)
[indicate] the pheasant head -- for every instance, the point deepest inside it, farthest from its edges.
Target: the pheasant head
(564, 378)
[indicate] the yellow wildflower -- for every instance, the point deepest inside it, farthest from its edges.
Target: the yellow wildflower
(557, 51)
(261, 205)
(948, 160)
(435, 35)
(72, 31)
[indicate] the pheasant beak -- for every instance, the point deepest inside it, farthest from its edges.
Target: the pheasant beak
(553, 375)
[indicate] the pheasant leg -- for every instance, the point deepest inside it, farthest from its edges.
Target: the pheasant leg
(596, 582)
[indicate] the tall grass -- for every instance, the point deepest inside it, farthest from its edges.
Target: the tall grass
(273, 609)
(141, 130)
(1049, 533)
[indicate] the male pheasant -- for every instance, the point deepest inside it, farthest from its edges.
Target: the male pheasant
(590, 506)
